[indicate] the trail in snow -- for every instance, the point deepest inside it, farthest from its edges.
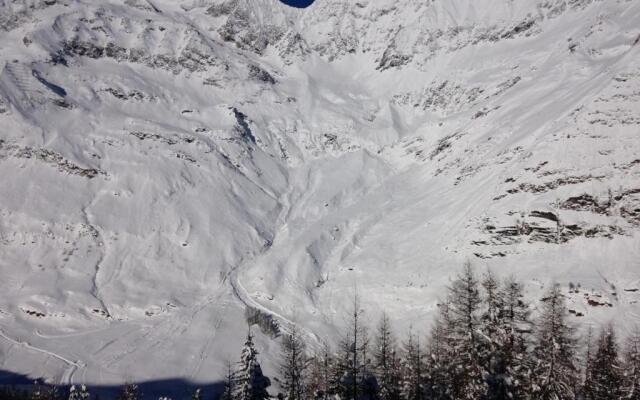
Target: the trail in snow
(102, 250)
(67, 377)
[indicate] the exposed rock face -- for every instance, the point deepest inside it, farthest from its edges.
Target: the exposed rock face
(47, 156)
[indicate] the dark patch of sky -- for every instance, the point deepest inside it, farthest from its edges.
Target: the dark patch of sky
(298, 3)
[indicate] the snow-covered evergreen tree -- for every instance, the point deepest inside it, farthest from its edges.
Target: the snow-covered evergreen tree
(250, 383)
(413, 369)
(293, 365)
(44, 392)
(74, 394)
(438, 365)
(492, 343)
(507, 327)
(130, 391)
(386, 363)
(606, 378)
(464, 309)
(494, 303)
(556, 374)
(631, 385)
(84, 393)
(78, 393)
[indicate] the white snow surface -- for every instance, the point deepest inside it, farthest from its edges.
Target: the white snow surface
(170, 167)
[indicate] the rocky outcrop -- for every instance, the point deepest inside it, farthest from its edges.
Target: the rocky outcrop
(553, 184)
(49, 157)
(242, 126)
(192, 58)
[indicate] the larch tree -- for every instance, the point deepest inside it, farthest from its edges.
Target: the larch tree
(585, 390)
(439, 359)
(606, 379)
(320, 379)
(386, 363)
(130, 391)
(293, 365)
(492, 343)
(74, 393)
(43, 391)
(229, 382)
(508, 331)
(351, 360)
(631, 384)
(556, 375)
(78, 393)
(413, 369)
(464, 307)
(196, 395)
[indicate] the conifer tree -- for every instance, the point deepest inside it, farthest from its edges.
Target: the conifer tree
(386, 363)
(631, 385)
(413, 369)
(229, 383)
(320, 384)
(507, 328)
(369, 383)
(250, 383)
(438, 376)
(73, 393)
(44, 392)
(492, 345)
(394, 388)
(352, 363)
(80, 393)
(196, 395)
(519, 329)
(464, 309)
(606, 378)
(494, 304)
(585, 390)
(556, 375)
(293, 365)
(130, 391)
(84, 393)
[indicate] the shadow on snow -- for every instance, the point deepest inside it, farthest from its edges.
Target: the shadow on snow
(174, 388)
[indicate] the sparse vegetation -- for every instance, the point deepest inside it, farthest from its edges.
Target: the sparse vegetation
(483, 345)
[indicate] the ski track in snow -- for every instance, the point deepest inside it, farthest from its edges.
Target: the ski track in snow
(101, 246)
(73, 366)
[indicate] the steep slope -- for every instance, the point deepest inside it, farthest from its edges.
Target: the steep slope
(170, 170)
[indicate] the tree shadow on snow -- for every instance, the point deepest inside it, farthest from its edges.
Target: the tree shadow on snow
(175, 389)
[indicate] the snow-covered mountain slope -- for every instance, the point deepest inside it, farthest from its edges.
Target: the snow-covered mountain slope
(171, 169)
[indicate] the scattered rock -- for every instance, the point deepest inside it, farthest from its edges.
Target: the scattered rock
(261, 75)
(153, 136)
(545, 187)
(49, 157)
(119, 94)
(545, 214)
(33, 313)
